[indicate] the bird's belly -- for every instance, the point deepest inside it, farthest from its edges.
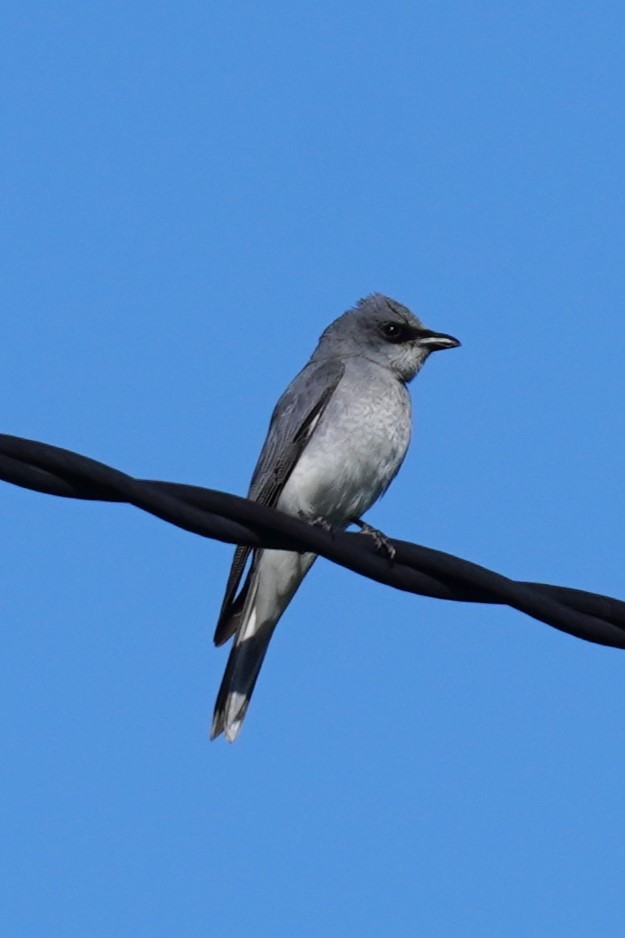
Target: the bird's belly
(350, 460)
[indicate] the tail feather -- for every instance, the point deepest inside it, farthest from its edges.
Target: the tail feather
(237, 686)
(268, 589)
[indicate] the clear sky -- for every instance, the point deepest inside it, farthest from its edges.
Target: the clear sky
(191, 192)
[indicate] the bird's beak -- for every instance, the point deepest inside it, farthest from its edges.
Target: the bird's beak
(433, 341)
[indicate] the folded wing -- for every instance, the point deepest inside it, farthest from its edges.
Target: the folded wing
(293, 423)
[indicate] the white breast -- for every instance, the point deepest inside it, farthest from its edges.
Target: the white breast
(355, 450)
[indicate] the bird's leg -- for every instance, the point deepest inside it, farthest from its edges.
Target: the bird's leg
(381, 541)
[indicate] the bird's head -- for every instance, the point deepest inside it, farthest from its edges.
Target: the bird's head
(385, 332)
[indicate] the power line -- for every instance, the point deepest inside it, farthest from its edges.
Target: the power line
(235, 520)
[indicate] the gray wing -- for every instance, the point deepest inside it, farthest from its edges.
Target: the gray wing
(292, 425)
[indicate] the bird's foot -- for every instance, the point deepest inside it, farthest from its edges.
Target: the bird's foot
(323, 524)
(382, 543)
(317, 522)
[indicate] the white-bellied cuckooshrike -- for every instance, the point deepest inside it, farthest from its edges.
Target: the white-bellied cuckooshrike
(337, 438)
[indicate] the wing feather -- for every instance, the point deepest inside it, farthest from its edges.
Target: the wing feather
(293, 423)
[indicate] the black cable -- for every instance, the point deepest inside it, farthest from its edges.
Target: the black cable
(234, 520)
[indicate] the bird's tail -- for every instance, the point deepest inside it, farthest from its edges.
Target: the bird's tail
(271, 587)
(237, 686)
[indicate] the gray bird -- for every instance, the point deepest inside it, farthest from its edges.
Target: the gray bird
(336, 440)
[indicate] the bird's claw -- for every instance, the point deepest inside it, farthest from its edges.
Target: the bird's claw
(318, 522)
(382, 543)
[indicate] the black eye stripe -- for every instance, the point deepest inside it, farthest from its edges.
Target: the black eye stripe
(394, 331)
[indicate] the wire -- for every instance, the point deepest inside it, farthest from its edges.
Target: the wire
(231, 519)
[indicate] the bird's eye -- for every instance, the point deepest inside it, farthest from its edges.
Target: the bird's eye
(393, 331)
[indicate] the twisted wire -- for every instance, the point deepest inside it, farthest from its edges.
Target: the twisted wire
(231, 519)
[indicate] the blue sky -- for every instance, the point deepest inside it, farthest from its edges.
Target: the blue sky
(190, 193)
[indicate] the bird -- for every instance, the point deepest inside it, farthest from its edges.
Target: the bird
(336, 440)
